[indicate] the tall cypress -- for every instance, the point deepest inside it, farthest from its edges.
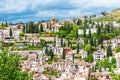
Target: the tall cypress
(78, 47)
(51, 54)
(10, 32)
(24, 29)
(109, 51)
(63, 54)
(41, 28)
(89, 34)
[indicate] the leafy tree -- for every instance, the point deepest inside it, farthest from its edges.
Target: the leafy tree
(117, 49)
(88, 48)
(106, 63)
(9, 67)
(90, 58)
(21, 34)
(103, 13)
(113, 60)
(115, 76)
(79, 22)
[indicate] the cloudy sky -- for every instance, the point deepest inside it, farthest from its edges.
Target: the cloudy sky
(25, 10)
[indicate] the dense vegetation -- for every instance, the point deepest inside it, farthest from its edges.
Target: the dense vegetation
(10, 69)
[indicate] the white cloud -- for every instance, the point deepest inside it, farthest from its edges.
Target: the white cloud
(13, 6)
(96, 3)
(56, 8)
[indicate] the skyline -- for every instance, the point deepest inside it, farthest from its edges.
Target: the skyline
(23, 10)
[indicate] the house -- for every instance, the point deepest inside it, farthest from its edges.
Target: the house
(31, 66)
(99, 55)
(115, 24)
(69, 53)
(93, 30)
(83, 53)
(118, 62)
(56, 50)
(101, 75)
(113, 42)
(4, 33)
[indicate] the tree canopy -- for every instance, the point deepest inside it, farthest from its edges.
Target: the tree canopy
(9, 67)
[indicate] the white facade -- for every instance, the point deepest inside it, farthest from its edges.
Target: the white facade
(99, 55)
(81, 31)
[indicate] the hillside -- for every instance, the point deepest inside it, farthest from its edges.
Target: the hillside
(110, 16)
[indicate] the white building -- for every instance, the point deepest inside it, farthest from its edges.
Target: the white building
(81, 31)
(83, 54)
(99, 55)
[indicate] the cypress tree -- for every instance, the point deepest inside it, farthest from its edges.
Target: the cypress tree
(98, 31)
(50, 26)
(63, 54)
(47, 25)
(41, 28)
(46, 51)
(89, 34)
(94, 42)
(76, 34)
(78, 47)
(61, 41)
(51, 54)
(10, 32)
(6, 24)
(84, 32)
(109, 51)
(24, 29)
(79, 22)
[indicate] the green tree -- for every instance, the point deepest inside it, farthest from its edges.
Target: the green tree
(79, 22)
(51, 54)
(117, 49)
(47, 25)
(9, 67)
(68, 40)
(21, 34)
(88, 48)
(63, 54)
(84, 31)
(10, 32)
(109, 51)
(115, 76)
(24, 30)
(90, 34)
(41, 28)
(78, 48)
(6, 24)
(46, 51)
